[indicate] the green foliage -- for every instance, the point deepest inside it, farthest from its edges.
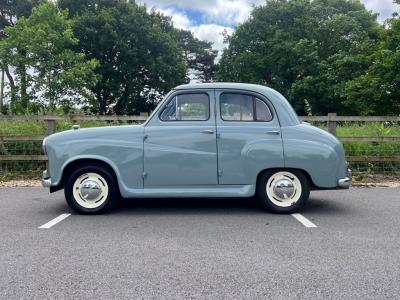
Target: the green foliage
(39, 128)
(368, 129)
(41, 43)
(138, 60)
(306, 49)
(22, 128)
(377, 90)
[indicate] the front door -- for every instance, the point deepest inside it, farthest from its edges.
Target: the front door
(180, 142)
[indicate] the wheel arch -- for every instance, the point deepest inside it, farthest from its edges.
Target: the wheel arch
(305, 173)
(71, 165)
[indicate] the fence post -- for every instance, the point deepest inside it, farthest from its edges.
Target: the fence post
(51, 125)
(332, 124)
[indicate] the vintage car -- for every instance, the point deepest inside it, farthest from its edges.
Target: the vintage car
(202, 140)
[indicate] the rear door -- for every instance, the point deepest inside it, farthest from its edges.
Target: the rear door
(180, 142)
(249, 136)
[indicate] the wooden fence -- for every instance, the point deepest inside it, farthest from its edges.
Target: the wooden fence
(330, 120)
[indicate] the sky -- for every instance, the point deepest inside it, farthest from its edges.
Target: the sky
(208, 19)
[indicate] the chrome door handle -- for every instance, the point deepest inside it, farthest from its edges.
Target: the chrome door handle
(208, 131)
(275, 132)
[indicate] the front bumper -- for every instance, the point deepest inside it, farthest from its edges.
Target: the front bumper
(345, 183)
(46, 179)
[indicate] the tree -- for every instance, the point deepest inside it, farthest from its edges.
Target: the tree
(42, 43)
(10, 12)
(138, 60)
(199, 55)
(377, 90)
(306, 49)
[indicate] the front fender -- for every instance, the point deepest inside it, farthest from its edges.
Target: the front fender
(57, 177)
(120, 147)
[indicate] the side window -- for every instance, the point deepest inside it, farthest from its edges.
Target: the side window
(187, 107)
(239, 107)
(236, 107)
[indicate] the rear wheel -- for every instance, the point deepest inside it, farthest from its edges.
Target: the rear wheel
(283, 191)
(91, 189)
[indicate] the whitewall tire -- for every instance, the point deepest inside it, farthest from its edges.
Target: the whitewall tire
(91, 189)
(283, 191)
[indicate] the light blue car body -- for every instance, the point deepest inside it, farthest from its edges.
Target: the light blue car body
(213, 158)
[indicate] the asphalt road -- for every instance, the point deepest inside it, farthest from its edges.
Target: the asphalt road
(197, 248)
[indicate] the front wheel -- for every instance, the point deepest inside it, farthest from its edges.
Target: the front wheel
(283, 191)
(91, 189)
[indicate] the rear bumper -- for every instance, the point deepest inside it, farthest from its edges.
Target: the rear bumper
(345, 183)
(46, 179)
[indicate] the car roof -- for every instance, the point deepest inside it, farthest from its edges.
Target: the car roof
(226, 85)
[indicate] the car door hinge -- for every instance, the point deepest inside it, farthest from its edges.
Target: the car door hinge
(219, 173)
(144, 175)
(145, 137)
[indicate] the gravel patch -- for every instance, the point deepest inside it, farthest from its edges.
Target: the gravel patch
(20, 183)
(37, 183)
(390, 184)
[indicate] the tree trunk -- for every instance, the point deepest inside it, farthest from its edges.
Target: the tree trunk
(102, 106)
(21, 70)
(268, 77)
(102, 97)
(120, 106)
(1, 91)
(24, 94)
(13, 89)
(52, 100)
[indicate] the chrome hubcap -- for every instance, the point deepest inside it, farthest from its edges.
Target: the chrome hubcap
(90, 190)
(283, 189)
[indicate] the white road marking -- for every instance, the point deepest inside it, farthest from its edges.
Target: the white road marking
(303, 220)
(54, 221)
